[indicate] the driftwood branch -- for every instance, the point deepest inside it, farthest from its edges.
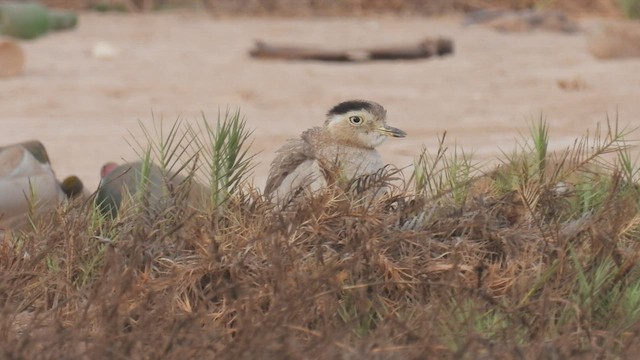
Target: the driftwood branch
(424, 49)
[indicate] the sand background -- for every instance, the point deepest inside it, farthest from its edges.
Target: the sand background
(181, 64)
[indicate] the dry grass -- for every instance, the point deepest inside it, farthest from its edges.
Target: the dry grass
(346, 7)
(536, 259)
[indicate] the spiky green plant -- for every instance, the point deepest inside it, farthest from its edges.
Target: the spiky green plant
(630, 8)
(360, 314)
(427, 175)
(526, 165)
(536, 175)
(540, 138)
(174, 152)
(225, 152)
(629, 306)
(460, 170)
(32, 203)
(629, 166)
(437, 174)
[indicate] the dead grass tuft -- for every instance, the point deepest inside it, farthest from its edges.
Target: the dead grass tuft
(537, 258)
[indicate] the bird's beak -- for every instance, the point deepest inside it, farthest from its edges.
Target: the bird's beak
(391, 131)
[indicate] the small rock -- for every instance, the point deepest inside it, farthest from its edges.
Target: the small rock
(611, 40)
(573, 84)
(104, 50)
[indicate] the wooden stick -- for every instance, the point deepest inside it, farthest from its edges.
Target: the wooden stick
(424, 49)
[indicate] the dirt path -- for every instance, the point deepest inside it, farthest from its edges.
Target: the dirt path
(182, 64)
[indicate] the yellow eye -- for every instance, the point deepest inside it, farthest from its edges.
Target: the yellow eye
(355, 120)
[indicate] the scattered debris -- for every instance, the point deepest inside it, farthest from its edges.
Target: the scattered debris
(104, 50)
(522, 20)
(424, 49)
(611, 40)
(573, 84)
(11, 58)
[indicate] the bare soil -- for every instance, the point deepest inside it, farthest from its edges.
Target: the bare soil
(181, 64)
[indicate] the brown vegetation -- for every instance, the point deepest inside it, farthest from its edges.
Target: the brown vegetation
(537, 259)
(344, 7)
(611, 40)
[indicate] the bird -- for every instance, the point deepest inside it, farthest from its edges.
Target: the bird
(347, 141)
(119, 181)
(28, 181)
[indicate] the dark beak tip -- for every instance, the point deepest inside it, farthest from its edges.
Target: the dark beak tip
(393, 132)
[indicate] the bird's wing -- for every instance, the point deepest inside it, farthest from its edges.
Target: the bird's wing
(290, 156)
(10, 159)
(38, 151)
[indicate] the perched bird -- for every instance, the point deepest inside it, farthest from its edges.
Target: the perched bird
(27, 181)
(347, 142)
(119, 181)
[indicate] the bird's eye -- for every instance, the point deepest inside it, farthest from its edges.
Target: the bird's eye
(355, 120)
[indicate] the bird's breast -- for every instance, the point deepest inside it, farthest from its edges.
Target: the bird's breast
(353, 161)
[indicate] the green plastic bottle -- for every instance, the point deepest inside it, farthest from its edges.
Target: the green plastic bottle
(23, 20)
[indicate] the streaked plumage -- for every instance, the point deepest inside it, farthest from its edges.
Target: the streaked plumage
(347, 141)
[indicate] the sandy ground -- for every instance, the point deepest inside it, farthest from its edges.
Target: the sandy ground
(178, 65)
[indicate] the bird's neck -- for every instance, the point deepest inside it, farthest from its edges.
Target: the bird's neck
(348, 139)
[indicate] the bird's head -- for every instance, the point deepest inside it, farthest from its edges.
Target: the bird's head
(361, 123)
(107, 169)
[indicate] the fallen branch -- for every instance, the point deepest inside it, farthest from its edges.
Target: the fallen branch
(424, 49)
